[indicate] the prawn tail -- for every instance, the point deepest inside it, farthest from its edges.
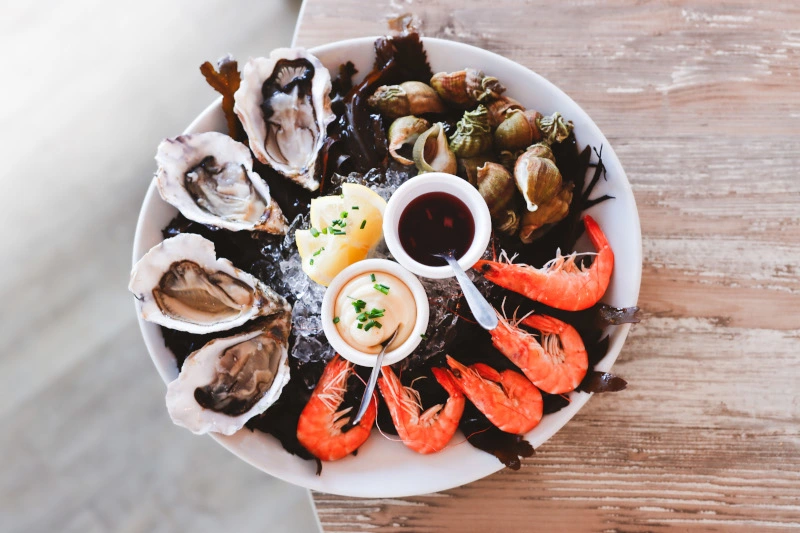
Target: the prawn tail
(596, 235)
(447, 381)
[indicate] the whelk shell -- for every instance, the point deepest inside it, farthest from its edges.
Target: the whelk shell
(431, 152)
(408, 98)
(518, 130)
(467, 87)
(537, 176)
(533, 222)
(473, 133)
(403, 131)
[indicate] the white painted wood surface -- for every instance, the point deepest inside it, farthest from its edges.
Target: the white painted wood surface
(701, 101)
(88, 90)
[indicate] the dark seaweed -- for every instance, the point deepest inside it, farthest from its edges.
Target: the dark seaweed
(553, 403)
(225, 79)
(357, 139)
(280, 420)
(507, 447)
(602, 382)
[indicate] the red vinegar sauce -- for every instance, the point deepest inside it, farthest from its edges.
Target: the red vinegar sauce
(434, 223)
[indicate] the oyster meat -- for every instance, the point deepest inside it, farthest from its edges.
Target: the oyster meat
(180, 284)
(232, 379)
(209, 177)
(284, 105)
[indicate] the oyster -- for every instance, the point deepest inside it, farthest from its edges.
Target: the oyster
(284, 105)
(209, 177)
(232, 379)
(180, 284)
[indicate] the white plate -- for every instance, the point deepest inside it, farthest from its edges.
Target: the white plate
(384, 468)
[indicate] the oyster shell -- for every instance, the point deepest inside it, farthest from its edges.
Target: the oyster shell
(232, 379)
(209, 177)
(284, 105)
(180, 284)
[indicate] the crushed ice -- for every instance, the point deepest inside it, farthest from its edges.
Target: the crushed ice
(310, 343)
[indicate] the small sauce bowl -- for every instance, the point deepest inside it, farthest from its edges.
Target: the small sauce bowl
(365, 267)
(428, 183)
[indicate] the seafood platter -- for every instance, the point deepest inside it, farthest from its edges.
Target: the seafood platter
(295, 230)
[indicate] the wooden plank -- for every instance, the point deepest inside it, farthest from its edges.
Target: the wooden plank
(700, 101)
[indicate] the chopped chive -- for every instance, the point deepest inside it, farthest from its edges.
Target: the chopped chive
(336, 320)
(376, 313)
(363, 223)
(360, 326)
(310, 261)
(359, 305)
(378, 324)
(370, 325)
(354, 207)
(362, 317)
(381, 288)
(336, 222)
(325, 231)
(343, 214)
(424, 337)
(319, 251)
(372, 277)
(314, 232)
(338, 232)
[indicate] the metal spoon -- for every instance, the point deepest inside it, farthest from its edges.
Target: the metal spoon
(481, 309)
(373, 378)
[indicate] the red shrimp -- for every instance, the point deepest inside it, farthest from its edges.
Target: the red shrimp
(431, 430)
(560, 283)
(319, 428)
(556, 365)
(507, 398)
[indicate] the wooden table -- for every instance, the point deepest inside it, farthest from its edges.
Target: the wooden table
(702, 104)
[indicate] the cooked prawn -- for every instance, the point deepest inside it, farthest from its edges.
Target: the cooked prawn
(557, 364)
(431, 430)
(560, 283)
(507, 398)
(319, 428)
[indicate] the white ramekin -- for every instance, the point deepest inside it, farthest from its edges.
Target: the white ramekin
(436, 182)
(362, 267)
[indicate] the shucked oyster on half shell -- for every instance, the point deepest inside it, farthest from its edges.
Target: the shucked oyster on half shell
(180, 284)
(209, 177)
(284, 105)
(232, 379)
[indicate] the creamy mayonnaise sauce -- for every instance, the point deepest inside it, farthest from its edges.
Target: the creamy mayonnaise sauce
(359, 301)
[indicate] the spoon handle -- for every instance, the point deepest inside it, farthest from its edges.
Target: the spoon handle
(373, 378)
(481, 309)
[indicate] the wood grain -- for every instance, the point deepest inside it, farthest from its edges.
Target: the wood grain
(700, 101)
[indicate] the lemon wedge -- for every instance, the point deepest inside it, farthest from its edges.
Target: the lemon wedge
(343, 230)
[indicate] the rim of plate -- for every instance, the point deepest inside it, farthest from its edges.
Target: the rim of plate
(412, 474)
